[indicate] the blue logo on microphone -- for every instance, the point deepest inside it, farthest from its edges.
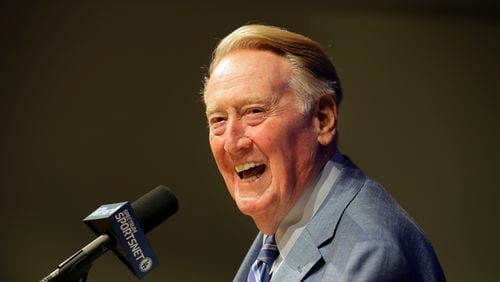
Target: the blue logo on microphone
(133, 247)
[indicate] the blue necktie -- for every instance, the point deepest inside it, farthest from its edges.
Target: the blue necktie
(261, 268)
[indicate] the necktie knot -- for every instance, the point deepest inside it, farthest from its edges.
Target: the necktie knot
(269, 250)
(260, 270)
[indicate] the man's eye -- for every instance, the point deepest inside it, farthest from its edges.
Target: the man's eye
(254, 116)
(217, 125)
(215, 120)
(255, 111)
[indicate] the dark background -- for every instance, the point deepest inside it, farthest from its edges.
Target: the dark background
(99, 104)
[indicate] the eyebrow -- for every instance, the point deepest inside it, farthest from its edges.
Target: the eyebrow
(251, 100)
(210, 111)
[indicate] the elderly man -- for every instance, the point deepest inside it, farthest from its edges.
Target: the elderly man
(272, 100)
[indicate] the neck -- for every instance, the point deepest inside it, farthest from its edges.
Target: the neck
(268, 223)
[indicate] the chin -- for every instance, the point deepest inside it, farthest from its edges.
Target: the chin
(248, 206)
(257, 205)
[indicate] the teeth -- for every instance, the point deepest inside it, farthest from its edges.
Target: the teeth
(245, 166)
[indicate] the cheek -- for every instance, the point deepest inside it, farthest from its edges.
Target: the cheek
(216, 145)
(298, 155)
(280, 148)
(307, 155)
(267, 137)
(217, 148)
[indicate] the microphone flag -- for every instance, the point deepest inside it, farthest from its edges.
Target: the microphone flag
(132, 246)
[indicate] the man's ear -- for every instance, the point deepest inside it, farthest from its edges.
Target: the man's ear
(326, 119)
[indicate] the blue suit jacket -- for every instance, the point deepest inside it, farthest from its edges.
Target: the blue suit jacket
(359, 233)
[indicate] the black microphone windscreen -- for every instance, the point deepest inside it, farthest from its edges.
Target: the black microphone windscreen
(154, 207)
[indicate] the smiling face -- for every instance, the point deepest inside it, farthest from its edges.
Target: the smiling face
(266, 149)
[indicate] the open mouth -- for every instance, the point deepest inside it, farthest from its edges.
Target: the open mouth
(250, 171)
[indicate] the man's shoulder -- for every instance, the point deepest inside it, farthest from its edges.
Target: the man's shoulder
(372, 208)
(373, 214)
(374, 227)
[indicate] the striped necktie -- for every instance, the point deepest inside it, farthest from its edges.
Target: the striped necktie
(261, 268)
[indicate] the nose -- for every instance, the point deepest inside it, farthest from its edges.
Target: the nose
(236, 142)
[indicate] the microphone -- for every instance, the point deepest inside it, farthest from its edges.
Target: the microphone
(122, 227)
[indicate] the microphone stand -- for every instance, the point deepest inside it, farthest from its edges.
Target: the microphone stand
(76, 267)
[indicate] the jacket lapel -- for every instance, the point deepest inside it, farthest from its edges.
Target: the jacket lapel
(303, 256)
(321, 229)
(324, 223)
